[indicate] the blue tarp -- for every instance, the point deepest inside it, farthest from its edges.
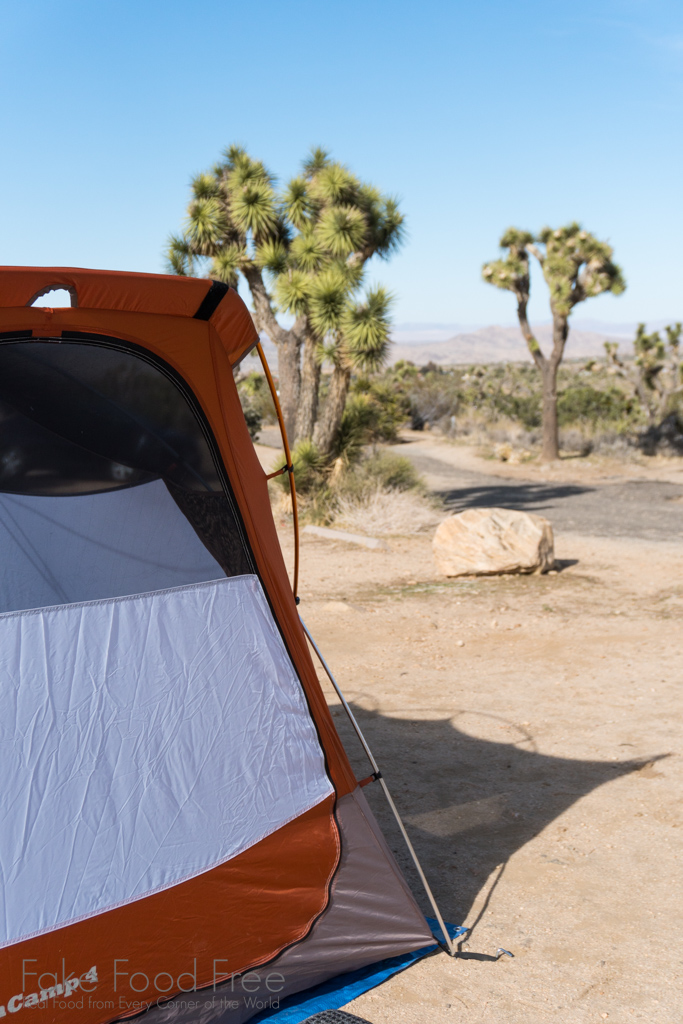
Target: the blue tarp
(339, 991)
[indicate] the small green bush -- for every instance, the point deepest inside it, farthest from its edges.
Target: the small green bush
(376, 408)
(526, 409)
(320, 482)
(311, 470)
(582, 403)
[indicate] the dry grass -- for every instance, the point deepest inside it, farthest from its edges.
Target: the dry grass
(387, 511)
(281, 503)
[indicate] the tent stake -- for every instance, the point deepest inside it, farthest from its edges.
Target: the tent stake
(450, 946)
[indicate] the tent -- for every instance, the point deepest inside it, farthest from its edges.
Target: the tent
(182, 834)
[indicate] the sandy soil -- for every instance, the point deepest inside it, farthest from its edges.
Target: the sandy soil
(529, 728)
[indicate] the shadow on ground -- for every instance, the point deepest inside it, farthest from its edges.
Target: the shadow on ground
(646, 509)
(468, 803)
(529, 497)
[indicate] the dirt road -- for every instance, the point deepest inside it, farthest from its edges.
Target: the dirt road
(597, 496)
(529, 728)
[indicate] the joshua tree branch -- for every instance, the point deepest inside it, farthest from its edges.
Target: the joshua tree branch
(535, 251)
(560, 333)
(264, 315)
(532, 344)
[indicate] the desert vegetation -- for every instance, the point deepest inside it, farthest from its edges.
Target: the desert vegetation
(576, 266)
(611, 405)
(303, 248)
(624, 407)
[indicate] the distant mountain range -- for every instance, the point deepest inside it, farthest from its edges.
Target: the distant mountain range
(496, 344)
(453, 344)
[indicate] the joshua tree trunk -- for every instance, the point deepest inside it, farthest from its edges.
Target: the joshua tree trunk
(307, 413)
(288, 345)
(548, 369)
(551, 445)
(289, 379)
(327, 427)
(551, 440)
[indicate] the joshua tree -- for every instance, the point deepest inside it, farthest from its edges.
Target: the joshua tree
(656, 372)
(576, 266)
(302, 251)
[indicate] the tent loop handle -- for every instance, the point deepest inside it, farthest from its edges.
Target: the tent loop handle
(287, 468)
(450, 945)
(73, 295)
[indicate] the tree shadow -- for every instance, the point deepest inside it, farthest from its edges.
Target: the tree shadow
(469, 804)
(529, 497)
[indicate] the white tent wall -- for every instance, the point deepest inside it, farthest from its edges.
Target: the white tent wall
(146, 740)
(60, 550)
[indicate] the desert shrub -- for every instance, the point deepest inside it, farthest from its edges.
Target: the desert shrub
(434, 396)
(378, 407)
(382, 494)
(665, 437)
(326, 487)
(379, 469)
(254, 422)
(311, 469)
(441, 396)
(524, 409)
(583, 403)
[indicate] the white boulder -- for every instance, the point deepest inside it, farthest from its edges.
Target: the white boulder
(487, 541)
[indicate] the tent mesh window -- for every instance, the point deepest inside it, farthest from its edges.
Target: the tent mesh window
(109, 481)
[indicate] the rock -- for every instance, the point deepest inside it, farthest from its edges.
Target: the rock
(487, 541)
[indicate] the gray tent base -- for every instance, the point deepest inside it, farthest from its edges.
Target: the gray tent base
(446, 939)
(371, 916)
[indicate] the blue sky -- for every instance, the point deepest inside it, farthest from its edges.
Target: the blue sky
(476, 115)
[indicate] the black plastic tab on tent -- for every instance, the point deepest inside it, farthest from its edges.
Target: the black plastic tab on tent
(375, 777)
(211, 300)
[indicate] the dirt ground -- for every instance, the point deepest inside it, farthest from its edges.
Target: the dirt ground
(529, 729)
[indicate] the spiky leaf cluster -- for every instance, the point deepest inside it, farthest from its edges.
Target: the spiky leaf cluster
(366, 330)
(312, 238)
(654, 355)
(577, 266)
(512, 271)
(234, 220)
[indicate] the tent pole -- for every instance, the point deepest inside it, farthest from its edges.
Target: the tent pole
(450, 945)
